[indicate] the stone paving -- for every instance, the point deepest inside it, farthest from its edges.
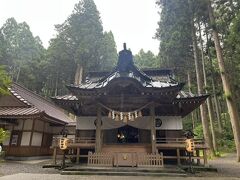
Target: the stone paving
(228, 168)
(28, 176)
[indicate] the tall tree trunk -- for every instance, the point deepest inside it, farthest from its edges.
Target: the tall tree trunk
(56, 86)
(78, 75)
(214, 87)
(209, 103)
(203, 107)
(18, 73)
(231, 104)
(189, 90)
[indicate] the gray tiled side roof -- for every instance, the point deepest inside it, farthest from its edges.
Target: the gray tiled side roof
(38, 102)
(18, 111)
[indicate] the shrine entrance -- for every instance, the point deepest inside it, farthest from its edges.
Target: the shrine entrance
(127, 134)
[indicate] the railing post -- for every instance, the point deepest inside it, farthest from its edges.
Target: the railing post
(198, 157)
(205, 157)
(55, 155)
(78, 153)
(178, 157)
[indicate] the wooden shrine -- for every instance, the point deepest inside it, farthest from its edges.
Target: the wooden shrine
(130, 117)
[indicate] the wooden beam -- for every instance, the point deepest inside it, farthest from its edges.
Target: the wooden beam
(55, 155)
(197, 154)
(153, 128)
(98, 130)
(178, 157)
(205, 157)
(78, 153)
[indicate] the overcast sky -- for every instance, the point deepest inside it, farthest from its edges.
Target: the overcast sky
(131, 21)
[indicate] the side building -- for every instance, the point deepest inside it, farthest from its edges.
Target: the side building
(32, 121)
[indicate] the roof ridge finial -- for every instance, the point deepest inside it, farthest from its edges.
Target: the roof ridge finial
(124, 46)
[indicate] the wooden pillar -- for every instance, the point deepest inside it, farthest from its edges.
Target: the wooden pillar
(55, 155)
(153, 128)
(205, 157)
(78, 155)
(178, 157)
(98, 143)
(198, 155)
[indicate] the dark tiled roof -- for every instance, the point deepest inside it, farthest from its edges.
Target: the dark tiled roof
(37, 104)
(18, 111)
(19, 97)
(181, 95)
(104, 81)
(67, 97)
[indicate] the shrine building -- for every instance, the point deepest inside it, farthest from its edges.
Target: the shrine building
(128, 113)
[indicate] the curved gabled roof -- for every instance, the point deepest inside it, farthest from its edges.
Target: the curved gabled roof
(115, 75)
(125, 69)
(36, 105)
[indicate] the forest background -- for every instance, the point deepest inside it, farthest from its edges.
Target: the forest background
(198, 39)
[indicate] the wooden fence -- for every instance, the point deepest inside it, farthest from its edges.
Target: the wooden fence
(142, 159)
(150, 160)
(100, 159)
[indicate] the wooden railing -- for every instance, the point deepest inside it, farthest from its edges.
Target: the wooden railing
(81, 140)
(177, 141)
(150, 160)
(100, 159)
(85, 140)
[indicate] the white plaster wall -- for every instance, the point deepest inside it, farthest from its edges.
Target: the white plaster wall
(170, 123)
(39, 125)
(37, 139)
(25, 141)
(28, 124)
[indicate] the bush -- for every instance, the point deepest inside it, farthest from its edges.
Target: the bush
(3, 135)
(198, 130)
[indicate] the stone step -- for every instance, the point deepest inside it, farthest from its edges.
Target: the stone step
(134, 171)
(121, 173)
(128, 169)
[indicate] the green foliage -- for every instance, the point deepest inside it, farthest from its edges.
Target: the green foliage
(4, 81)
(80, 40)
(22, 53)
(228, 95)
(226, 141)
(174, 33)
(198, 130)
(146, 59)
(3, 135)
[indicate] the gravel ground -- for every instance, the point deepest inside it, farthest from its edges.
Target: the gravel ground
(14, 167)
(227, 166)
